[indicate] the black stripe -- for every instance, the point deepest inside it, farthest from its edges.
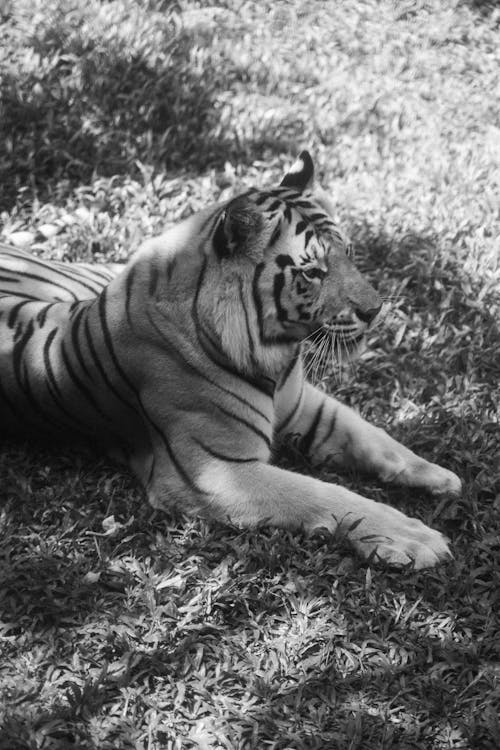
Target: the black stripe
(28, 390)
(274, 205)
(293, 412)
(247, 322)
(279, 283)
(128, 295)
(47, 362)
(11, 279)
(246, 423)
(55, 392)
(275, 235)
(95, 275)
(308, 237)
(72, 275)
(81, 386)
(283, 338)
(262, 198)
(222, 456)
(35, 277)
(331, 429)
(101, 307)
(73, 308)
(217, 357)
(100, 367)
(75, 340)
(212, 217)
(53, 387)
(289, 193)
(283, 260)
(13, 252)
(170, 268)
(289, 369)
(18, 350)
(151, 469)
(186, 478)
(154, 277)
(67, 270)
(256, 298)
(23, 382)
(55, 268)
(41, 315)
(12, 319)
(307, 439)
(220, 240)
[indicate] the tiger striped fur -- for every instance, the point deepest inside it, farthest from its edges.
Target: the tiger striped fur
(186, 365)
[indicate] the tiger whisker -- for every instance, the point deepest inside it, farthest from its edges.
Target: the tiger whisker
(322, 347)
(350, 350)
(310, 354)
(316, 360)
(334, 356)
(323, 361)
(338, 368)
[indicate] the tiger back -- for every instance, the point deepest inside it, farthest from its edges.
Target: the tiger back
(25, 276)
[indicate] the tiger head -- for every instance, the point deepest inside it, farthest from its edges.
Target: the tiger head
(259, 274)
(281, 259)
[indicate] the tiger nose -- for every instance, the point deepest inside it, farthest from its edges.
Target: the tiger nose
(369, 314)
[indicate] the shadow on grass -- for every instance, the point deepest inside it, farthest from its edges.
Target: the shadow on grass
(73, 106)
(97, 89)
(483, 8)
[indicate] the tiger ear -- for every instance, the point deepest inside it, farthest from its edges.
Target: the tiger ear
(301, 173)
(237, 229)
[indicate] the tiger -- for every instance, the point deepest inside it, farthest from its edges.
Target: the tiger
(186, 365)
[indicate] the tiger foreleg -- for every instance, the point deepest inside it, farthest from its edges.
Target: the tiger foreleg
(332, 432)
(256, 493)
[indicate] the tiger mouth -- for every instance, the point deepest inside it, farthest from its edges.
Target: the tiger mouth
(355, 338)
(340, 334)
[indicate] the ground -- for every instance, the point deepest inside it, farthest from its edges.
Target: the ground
(122, 628)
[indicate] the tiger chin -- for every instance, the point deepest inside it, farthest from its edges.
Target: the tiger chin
(187, 366)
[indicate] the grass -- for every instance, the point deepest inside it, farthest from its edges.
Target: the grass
(121, 628)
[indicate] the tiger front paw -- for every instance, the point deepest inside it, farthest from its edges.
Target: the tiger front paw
(399, 540)
(435, 479)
